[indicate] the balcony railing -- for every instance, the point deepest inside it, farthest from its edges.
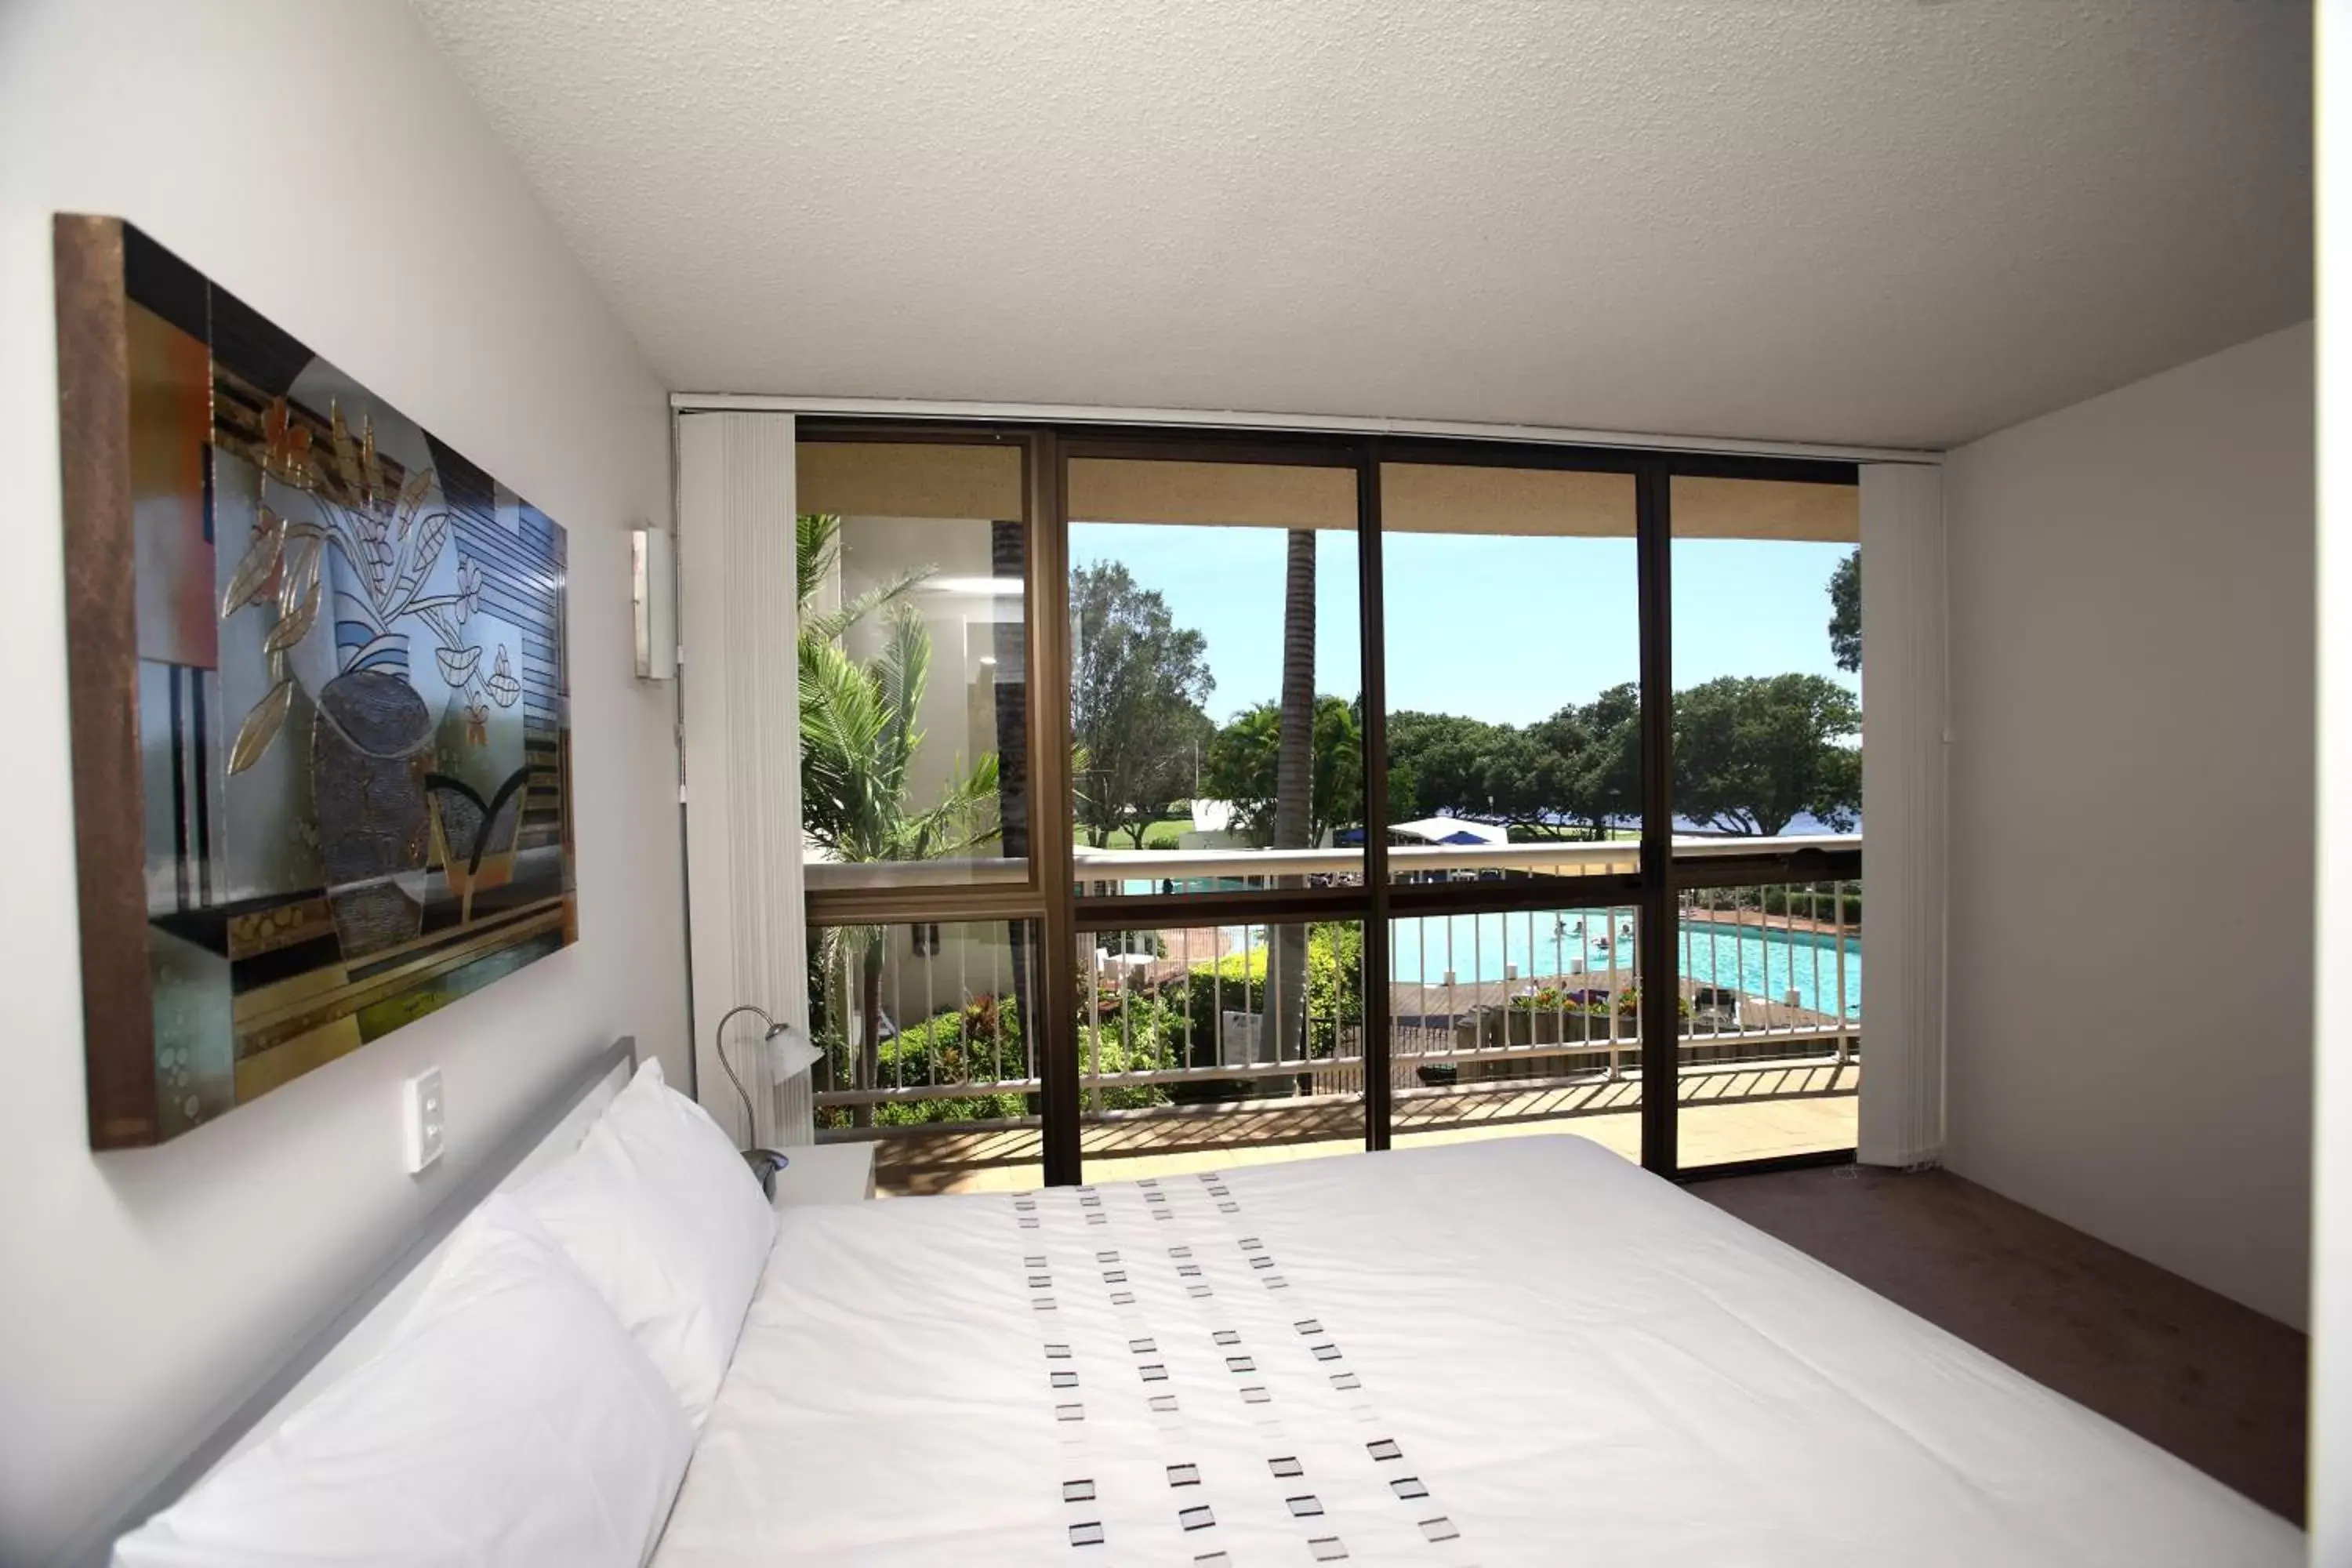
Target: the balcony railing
(1113, 871)
(1178, 1020)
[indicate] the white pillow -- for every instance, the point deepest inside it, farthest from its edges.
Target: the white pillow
(667, 1221)
(510, 1422)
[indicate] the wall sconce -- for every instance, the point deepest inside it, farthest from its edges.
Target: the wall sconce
(654, 588)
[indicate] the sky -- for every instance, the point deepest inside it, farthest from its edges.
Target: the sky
(1506, 629)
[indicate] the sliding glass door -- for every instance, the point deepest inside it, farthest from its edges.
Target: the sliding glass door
(1178, 799)
(1216, 802)
(1767, 651)
(915, 557)
(1513, 656)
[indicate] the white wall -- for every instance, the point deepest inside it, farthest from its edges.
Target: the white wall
(2132, 637)
(2330, 1486)
(1904, 647)
(321, 162)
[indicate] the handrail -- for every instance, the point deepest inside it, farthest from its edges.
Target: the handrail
(1584, 856)
(1734, 847)
(1686, 1045)
(1156, 865)
(830, 875)
(1739, 1001)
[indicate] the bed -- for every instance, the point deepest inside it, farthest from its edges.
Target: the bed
(1522, 1350)
(1518, 1350)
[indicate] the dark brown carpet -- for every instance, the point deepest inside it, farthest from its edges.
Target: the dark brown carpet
(2215, 1383)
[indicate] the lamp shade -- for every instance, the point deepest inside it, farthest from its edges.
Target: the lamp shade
(788, 1052)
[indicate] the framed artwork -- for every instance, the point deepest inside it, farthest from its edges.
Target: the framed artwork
(320, 731)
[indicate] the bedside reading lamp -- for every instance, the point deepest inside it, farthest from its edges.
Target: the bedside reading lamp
(787, 1055)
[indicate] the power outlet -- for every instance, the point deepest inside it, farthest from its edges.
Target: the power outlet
(421, 1116)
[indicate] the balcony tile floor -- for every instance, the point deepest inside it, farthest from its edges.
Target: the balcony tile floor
(1728, 1114)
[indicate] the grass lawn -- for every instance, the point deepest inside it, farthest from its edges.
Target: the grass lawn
(1161, 835)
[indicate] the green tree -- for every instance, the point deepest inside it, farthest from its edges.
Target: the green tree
(1752, 752)
(1404, 794)
(859, 736)
(1237, 982)
(1137, 683)
(1446, 756)
(1599, 747)
(1469, 768)
(1845, 612)
(1243, 766)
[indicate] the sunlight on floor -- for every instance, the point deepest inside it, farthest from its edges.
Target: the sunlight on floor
(1728, 1114)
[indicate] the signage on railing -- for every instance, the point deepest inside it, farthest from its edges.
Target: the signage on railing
(1241, 1039)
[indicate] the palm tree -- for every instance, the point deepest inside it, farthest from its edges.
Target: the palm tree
(1294, 787)
(858, 740)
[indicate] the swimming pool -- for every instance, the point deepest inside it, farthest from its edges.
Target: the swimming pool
(1541, 944)
(1526, 945)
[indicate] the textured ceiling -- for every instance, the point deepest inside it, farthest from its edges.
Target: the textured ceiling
(1883, 221)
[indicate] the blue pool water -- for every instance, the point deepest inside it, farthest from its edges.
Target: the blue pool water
(1767, 964)
(1541, 945)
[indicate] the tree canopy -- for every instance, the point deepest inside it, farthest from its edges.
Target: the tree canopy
(1845, 612)
(1752, 752)
(1469, 767)
(1245, 756)
(1608, 766)
(1582, 764)
(1137, 683)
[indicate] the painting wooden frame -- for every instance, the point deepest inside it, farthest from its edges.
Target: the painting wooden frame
(320, 720)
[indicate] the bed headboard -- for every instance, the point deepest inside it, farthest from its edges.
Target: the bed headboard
(358, 1327)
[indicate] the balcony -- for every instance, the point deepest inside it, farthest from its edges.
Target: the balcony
(1502, 1023)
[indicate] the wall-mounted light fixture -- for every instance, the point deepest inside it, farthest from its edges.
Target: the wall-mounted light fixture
(654, 586)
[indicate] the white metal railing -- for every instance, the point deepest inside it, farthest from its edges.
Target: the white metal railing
(830, 875)
(1118, 866)
(1156, 865)
(1181, 1018)
(1581, 856)
(1562, 857)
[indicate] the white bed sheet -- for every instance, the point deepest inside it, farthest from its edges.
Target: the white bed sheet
(1571, 1361)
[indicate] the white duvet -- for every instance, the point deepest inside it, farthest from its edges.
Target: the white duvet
(1524, 1351)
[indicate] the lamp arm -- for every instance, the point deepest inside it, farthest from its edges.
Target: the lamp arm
(719, 1038)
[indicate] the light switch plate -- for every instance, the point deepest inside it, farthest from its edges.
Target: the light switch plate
(421, 1116)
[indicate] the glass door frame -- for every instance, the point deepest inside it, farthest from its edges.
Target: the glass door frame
(1049, 896)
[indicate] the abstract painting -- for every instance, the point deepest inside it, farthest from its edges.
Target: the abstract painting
(321, 730)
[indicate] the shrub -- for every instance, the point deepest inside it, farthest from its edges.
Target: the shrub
(1628, 1004)
(1551, 999)
(1237, 984)
(1137, 1033)
(982, 1039)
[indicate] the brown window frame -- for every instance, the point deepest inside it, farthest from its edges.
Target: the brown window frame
(1048, 897)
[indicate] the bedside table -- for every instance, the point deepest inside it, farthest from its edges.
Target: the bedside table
(825, 1173)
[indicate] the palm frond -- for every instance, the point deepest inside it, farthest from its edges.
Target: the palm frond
(901, 673)
(861, 726)
(965, 817)
(816, 554)
(842, 724)
(816, 546)
(833, 624)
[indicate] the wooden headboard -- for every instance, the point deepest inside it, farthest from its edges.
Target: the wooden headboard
(361, 1325)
